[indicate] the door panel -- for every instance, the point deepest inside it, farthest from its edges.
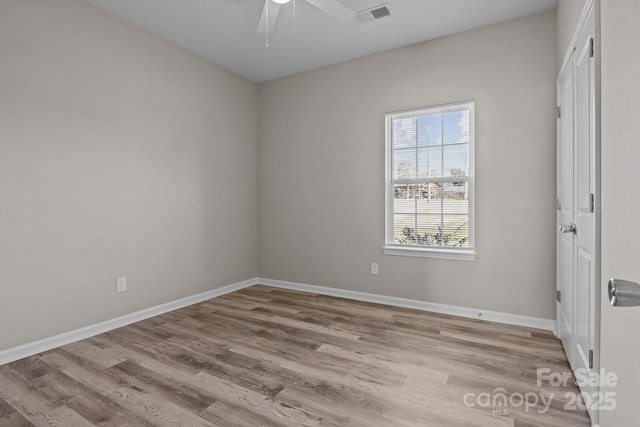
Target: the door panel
(582, 312)
(565, 271)
(565, 309)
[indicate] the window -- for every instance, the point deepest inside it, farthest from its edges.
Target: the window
(429, 182)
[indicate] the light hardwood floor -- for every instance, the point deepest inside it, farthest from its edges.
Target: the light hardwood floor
(266, 356)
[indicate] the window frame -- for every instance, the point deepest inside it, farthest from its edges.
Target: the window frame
(392, 248)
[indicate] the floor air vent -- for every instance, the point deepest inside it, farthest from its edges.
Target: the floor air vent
(374, 13)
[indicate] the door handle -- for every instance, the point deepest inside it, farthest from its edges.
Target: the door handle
(623, 293)
(567, 228)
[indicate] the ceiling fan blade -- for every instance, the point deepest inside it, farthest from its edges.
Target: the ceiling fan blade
(334, 8)
(274, 9)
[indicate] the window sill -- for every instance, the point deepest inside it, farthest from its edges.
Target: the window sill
(468, 255)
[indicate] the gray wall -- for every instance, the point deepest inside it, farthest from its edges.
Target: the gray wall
(123, 155)
(321, 169)
(120, 155)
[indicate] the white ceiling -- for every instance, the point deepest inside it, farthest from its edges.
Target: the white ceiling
(224, 31)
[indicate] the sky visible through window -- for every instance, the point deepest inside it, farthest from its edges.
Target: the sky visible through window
(441, 141)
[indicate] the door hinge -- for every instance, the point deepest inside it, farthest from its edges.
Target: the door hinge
(558, 203)
(591, 49)
(559, 112)
(592, 202)
(558, 296)
(590, 359)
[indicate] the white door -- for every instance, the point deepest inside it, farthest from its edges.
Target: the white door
(565, 307)
(587, 291)
(578, 257)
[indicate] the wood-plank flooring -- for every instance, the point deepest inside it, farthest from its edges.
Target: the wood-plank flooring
(266, 356)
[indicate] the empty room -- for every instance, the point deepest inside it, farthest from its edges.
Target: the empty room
(319, 213)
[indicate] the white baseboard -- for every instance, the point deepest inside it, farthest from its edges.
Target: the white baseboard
(35, 347)
(492, 316)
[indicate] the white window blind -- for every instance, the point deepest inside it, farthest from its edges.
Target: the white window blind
(429, 185)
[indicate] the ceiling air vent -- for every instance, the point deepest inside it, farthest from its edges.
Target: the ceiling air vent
(377, 12)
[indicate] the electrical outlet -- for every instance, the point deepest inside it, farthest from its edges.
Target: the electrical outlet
(374, 268)
(121, 284)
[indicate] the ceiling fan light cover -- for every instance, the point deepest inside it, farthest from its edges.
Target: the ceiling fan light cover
(281, 1)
